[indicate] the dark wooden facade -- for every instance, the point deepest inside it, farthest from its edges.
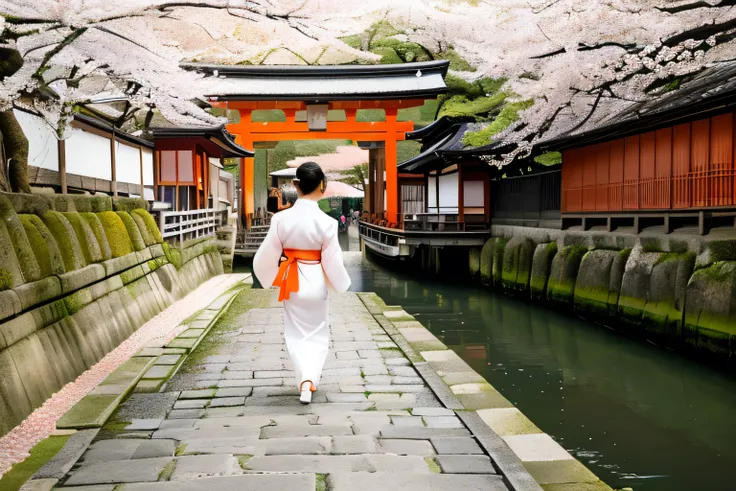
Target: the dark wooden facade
(687, 166)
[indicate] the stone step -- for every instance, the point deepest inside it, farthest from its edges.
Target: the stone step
(327, 464)
(249, 482)
(364, 481)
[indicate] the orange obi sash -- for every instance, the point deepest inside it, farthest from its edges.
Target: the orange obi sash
(287, 278)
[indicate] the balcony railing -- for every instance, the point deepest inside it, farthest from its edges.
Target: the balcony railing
(179, 226)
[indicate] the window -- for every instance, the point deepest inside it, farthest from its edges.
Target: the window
(473, 194)
(186, 167)
(168, 167)
(412, 199)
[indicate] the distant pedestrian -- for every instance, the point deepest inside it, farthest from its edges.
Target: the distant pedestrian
(342, 220)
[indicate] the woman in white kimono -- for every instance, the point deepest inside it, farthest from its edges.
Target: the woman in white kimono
(301, 255)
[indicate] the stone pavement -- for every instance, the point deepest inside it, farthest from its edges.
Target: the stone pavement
(231, 418)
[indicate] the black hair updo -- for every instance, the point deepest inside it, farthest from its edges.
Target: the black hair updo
(310, 177)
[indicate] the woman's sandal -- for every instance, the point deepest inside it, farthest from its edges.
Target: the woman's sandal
(306, 392)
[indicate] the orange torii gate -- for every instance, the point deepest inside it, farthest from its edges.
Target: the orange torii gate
(317, 90)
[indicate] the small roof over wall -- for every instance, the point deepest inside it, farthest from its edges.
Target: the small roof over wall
(324, 83)
(445, 134)
(215, 140)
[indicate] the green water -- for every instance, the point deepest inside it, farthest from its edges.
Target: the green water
(636, 415)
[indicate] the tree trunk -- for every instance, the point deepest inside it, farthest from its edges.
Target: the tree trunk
(16, 152)
(4, 183)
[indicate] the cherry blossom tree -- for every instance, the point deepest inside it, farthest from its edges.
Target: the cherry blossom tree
(567, 64)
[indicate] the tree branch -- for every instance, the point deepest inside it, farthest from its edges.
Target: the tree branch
(696, 5)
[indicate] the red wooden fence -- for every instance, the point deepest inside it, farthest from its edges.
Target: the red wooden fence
(690, 165)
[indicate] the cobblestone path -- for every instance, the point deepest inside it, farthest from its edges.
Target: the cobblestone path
(231, 419)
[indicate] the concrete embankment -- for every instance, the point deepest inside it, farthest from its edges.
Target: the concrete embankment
(679, 292)
(78, 275)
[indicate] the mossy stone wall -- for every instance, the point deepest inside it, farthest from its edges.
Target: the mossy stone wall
(77, 279)
(674, 298)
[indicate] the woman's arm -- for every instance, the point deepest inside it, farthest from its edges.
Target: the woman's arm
(337, 275)
(267, 258)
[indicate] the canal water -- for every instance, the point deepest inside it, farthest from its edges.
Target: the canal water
(636, 415)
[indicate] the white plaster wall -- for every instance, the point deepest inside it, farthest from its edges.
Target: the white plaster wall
(449, 193)
(432, 195)
(43, 146)
(127, 163)
(88, 154)
(147, 167)
(473, 193)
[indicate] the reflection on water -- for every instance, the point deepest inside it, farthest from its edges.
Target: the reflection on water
(637, 415)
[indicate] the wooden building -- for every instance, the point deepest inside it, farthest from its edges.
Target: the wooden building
(668, 163)
(95, 158)
(188, 172)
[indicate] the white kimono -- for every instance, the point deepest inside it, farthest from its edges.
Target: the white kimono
(306, 320)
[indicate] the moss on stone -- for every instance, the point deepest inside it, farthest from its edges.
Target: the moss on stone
(723, 250)
(497, 268)
(41, 453)
(44, 246)
(116, 233)
(173, 255)
(96, 226)
(6, 279)
(150, 225)
(461, 106)
(486, 261)
(36, 204)
(66, 239)
(474, 262)
(20, 244)
(129, 204)
(517, 265)
(541, 264)
(134, 232)
(563, 274)
(86, 237)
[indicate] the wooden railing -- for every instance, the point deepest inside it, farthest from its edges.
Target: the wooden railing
(185, 225)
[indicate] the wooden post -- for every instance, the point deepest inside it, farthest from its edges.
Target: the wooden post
(62, 165)
(390, 164)
(114, 178)
(143, 185)
(460, 195)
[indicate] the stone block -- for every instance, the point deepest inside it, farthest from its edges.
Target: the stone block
(407, 447)
(61, 463)
(536, 447)
(465, 464)
(159, 372)
(9, 304)
(235, 392)
(354, 444)
(118, 471)
(200, 466)
(116, 265)
(297, 446)
(37, 292)
(250, 482)
(227, 402)
(517, 265)
(305, 431)
(364, 481)
(541, 266)
(422, 433)
(508, 421)
(456, 445)
(39, 485)
(442, 422)
(563, 275)
(74, 280)
(558, 472)
(120, 449)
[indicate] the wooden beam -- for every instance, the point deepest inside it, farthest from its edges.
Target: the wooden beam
(114, 178)
(332, 127)
(62, 165)
(318, 135)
